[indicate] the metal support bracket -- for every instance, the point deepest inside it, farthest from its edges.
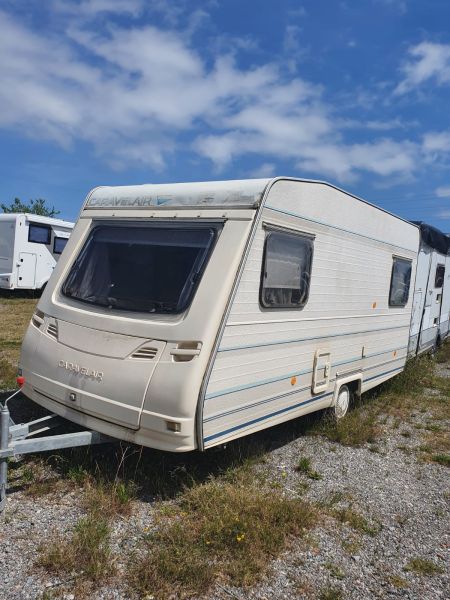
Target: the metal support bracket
(14, 441)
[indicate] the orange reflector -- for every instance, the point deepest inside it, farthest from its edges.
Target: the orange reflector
(20, 381)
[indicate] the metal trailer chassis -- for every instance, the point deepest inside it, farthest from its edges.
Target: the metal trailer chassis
(14, 440)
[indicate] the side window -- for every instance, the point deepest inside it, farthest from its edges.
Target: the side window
(286, 270)
(400, 280)
(39, 234)
(59, 244)
(440, 273)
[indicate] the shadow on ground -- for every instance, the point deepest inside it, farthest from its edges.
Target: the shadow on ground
(153, 474)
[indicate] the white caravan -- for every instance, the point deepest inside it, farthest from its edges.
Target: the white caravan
(431, 304)
(182, 316)
(30, 245)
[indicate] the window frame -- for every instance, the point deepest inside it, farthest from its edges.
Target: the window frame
(216, 225)
(40, 226)
(269, 230)
(57, 237)
(439, 287)
(406, 260)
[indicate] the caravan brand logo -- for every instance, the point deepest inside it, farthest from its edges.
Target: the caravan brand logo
(84, 371)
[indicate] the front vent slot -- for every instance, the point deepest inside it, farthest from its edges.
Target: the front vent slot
(145, 353)
(52, 330)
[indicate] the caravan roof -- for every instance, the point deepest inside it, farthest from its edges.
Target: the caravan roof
(238, 193)
(36, 219)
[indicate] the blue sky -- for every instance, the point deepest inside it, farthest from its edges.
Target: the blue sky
(110, 92)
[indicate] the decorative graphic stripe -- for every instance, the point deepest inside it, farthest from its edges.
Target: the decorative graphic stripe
(296, 391)
(308, 339)
(259, 419)
(247, 386)
(283, 410)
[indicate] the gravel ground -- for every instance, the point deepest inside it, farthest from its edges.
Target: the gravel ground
(405, 501)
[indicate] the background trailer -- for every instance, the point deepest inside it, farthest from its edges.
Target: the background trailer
(30, 246)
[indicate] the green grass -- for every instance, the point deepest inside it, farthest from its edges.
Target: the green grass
(331, 593)
(15, 315)
(304, 466)
(218, 531)
(353, 519)
(86, 553)
(423, 566)
(441, 459)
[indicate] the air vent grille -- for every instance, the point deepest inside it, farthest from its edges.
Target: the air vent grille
(52, 330)
(145, 353)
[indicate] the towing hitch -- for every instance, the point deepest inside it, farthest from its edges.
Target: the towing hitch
(17, 439)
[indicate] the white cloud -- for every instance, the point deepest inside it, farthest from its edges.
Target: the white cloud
(437, 142)
(142, 87)
(91, 8)
(428, 61)
(264, 170)
(443, 191)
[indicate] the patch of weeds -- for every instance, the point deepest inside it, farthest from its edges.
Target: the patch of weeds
(351, 546)
(86, 553)
(375, 449)
(8, 374)
(423, 566)
(37, 489)
(443, 354)
(222, 530)
(109, 499)
(356, 521)
(357, 428)
(398, 582)
(77, 474)
(334, 570)
(330, 593)
(441, 459)
(304, 466)
(405, 434)
(433, 427)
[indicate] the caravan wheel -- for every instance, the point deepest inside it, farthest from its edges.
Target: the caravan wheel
(342, 402)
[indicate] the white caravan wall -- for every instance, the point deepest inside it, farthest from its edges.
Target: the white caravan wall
(263, 371)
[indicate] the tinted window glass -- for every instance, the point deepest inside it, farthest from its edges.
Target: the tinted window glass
(286, 270)
(400, 280)
(439, 279)
(146, 269)
(39, 234)
(59, 244)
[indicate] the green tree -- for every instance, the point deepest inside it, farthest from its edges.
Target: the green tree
(36, 207)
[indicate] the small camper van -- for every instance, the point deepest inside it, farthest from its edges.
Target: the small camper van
(30, 246)
(182, 316)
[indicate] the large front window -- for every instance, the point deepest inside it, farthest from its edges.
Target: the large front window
(154, 269)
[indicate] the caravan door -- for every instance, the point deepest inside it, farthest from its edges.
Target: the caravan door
(26, 271)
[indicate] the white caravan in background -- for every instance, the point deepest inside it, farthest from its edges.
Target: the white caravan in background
(431, 305)
(30, 246)
(182, 316)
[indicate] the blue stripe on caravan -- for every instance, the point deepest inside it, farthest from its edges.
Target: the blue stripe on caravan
(308, 339)
(297, 390)
(274, 414)
(265, 401)
(291, 214)
(248, 386)
(385, 373)
(283, 410)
